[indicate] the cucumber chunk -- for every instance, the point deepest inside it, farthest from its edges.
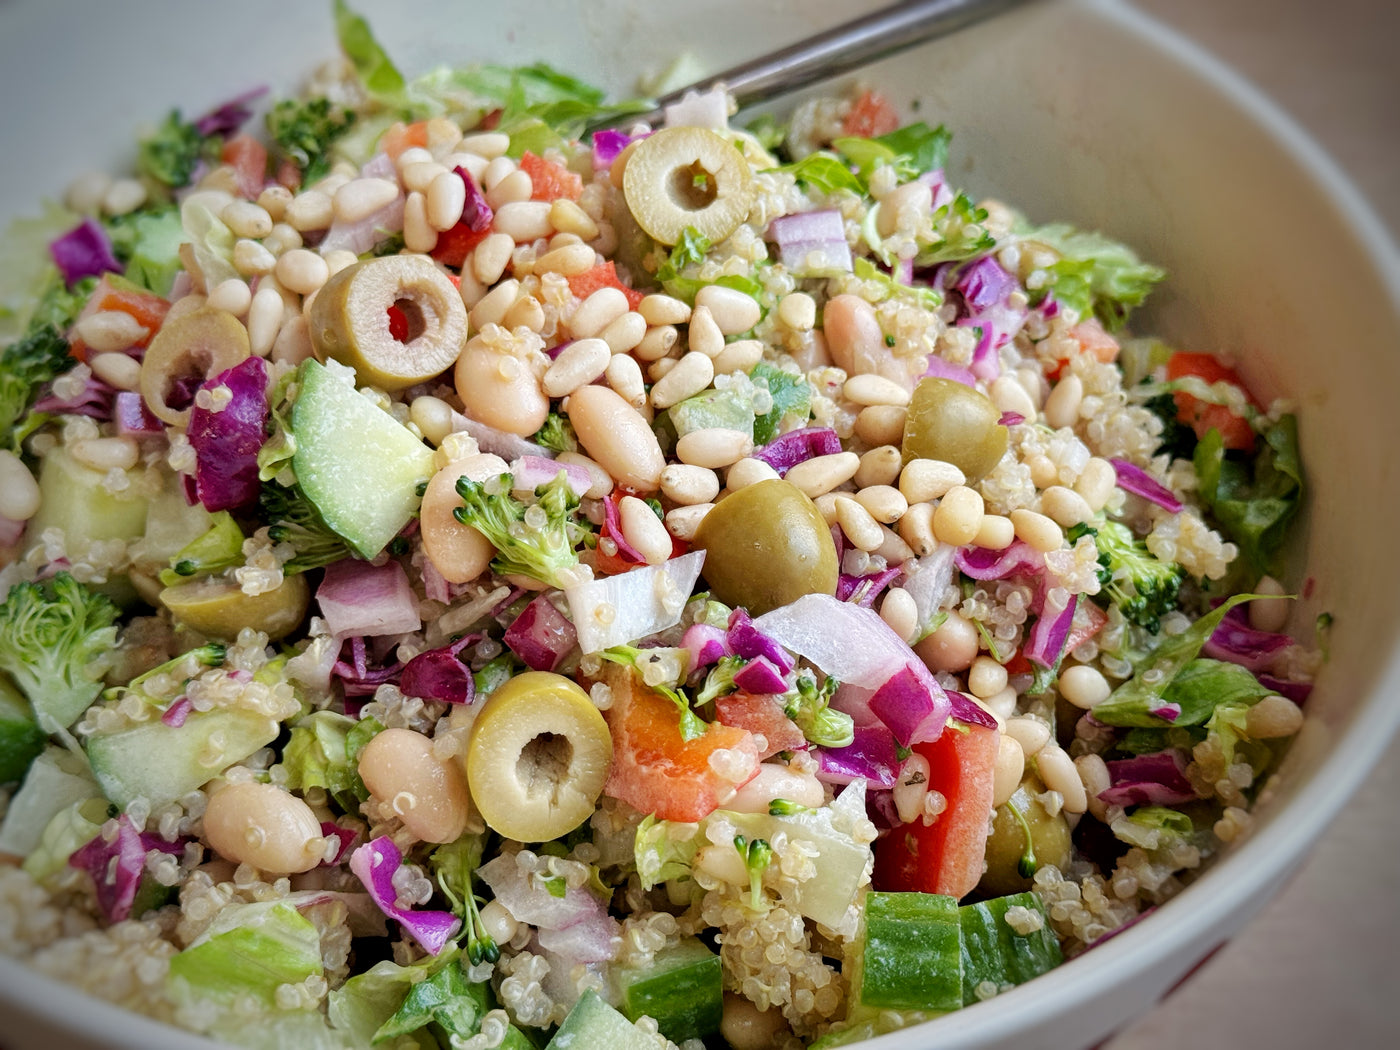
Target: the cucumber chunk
(354, 461)
(993, 952)
(160, 762)
(912, 955)
(594, 1025)
(682, 990)
(55, 781)
(726, 409)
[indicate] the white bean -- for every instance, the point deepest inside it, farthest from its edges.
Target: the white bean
(19, 492)
(428, 794)
(617, 436)
(265, 827)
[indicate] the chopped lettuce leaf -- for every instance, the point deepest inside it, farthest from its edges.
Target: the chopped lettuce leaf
(318, 755)
(446, 999)
(367, 1001)
(148, 243)
(959, 233)
(825, 173)
(924, 297)
(380, 77)
(665, 850)
(251, 949)
(910, 150)
(1095, 276)
(1255, 502)
(792, 402)
(211, 241)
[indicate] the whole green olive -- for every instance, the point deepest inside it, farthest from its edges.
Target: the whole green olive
(767, 545)
(1006, 845)
(955, 423)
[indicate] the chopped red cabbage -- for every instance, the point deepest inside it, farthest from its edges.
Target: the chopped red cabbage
(607, 144)
(947, 370)
(358, 598)
(966, 709)
(612, 529)
(1295, 691)
(541, 635)
(1238, 643)
(863, 590)
(981, 563)
(346, 837)
(84, 251)
(1011, 419)
(760, 675)
(1149, 780)
(438, 674)
(706, 644)
(1132, 478)
(871, 756)
(812, 242)
(231, 115)
(476, 213)
(96, 401)
(912, 704)
(116, 866)
(177, 712)
(1046, 644)
(356, 676)
(375, 864)
(10, 531)
(226, 441)
(1166, 711)
(797, 446)
(132, 417)
(748, 641)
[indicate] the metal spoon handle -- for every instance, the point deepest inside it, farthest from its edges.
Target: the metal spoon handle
(842, 48)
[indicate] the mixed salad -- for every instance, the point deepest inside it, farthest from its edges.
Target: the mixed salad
(476, 580)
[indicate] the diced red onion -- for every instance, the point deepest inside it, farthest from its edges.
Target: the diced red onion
(374, 864)
(1132, 478)
(983, 282)
(871, 756)
(760, 675)
(942, 195)
(981, 563)
(10, 531)
(84, 251)
(612, 529)
(607, 144)
(438, 674)
(132, 417)
(498, 442)
(863, 590)
(1011, 419)
(812, 243)
(1046, 644)
(226, 442)
(797, 446)
(594, 940)
(346, 837)
(358, 598)
(1166, 710)
(648, 599)
(966, 709)
(530, 472)
(529, 901)
(363, 234)
(177, 712)
(912, 704)
(947, 370)
(706, 644)
(1238, 643)
(116, 867)
(1150, 780)
(748, 641)
(541, 635)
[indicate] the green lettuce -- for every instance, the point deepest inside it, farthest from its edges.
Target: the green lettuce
(1094, 275)
(1255, 503)
(318, 755)
(380, 77)
(665, 850)
(148, 243)
(26, 268)
(825, 173)
(250, 950)
(446, 1000)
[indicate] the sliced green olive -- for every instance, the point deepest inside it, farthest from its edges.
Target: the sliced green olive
(219, 608)
(682, 177)
(767, 545)
(184, 353)
(1023, 830)
(955, 423)
(538, 758)
(349, 320)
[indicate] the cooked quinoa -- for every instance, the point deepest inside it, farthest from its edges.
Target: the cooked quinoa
(407, 679)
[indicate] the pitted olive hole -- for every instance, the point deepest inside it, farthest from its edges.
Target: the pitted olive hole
(413, 316)
(544, 763)
(693, 187)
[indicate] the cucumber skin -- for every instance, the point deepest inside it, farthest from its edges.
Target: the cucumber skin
(993, 951)
(594, 1025)
(21, 742)
(683, 991)
(912, 956)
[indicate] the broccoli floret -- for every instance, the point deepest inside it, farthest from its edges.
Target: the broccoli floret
(1178, 440)
(292, 518)
(305, 131)
(809, 706)
(172, 153)
(1144, 588)
(55, 639)
(27, 365)
(535, 540)
(557, 434)
(757, 855)
(720, 681)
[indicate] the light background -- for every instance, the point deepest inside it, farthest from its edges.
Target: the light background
(1317, 967)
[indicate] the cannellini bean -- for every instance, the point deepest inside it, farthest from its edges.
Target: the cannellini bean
(445, 198)
(644, 530)
(682, 522)
(777, 781)
(685, 484)
(1062, 406)
(691, 374)
(617, 436)
(428, 794)
(985, 677)
(497, 385)
(748, 471)
(1031, 733)
(733, 311)
(911, 788)
(1007, 771)
(958, 516)
(1059, 773)
(879, 466)
(459, 552)
(1083, 686)
(713, 447)
(265, 827)
(952, 647)
(1270, 615)
(663, 309)
(899, 610)
(821, 474)
(19, 492)
(922, 480)
(744, 1026)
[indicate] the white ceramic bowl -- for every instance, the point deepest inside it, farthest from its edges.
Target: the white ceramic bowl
(1081, 110)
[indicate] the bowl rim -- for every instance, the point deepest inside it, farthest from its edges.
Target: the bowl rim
(1280, 845)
